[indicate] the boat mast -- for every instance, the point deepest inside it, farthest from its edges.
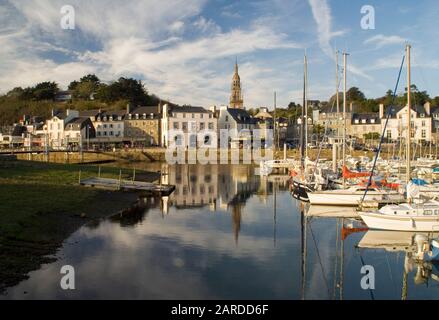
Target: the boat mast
(274, 124)
(306, 107)
(302, 130)
(336, 82)
(344, 113)
(408, 138)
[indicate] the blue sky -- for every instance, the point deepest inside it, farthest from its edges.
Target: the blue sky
(184, 50)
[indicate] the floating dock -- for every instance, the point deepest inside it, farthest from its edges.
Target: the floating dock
(128, 185)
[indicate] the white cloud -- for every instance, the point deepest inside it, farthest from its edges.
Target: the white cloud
(323, 18)
(380, 40)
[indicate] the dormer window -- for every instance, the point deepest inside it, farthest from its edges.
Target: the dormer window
(357, 121)
(372, 120)
(144, 116)
(151, 115)
(137, 116)
(363, 121)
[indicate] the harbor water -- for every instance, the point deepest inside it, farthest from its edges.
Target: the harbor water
(226, 233)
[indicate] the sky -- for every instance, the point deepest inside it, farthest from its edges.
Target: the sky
(185, 50)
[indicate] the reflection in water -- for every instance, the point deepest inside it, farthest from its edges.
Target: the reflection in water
(225, 234)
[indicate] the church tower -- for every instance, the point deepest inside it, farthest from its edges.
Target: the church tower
(236, 99)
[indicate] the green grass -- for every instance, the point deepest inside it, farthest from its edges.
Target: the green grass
(41, 204)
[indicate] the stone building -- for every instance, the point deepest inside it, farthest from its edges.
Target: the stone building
(142, 126)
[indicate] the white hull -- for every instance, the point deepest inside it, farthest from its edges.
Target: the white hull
(400, 223)
(343, 198)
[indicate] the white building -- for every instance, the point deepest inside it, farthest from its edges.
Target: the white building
(421, 123)
(188, 126)
(56, 125)
(238, 122)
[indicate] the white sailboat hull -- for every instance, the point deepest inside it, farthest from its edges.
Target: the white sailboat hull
(342, 198)
(400, 223)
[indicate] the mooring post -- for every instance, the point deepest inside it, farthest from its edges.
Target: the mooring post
(79, 176)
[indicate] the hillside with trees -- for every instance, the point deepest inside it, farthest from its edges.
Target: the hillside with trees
(87, 93)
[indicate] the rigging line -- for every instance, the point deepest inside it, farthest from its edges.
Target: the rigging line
(390, 271)
(336, 258)
(320, 260)
(369, 183)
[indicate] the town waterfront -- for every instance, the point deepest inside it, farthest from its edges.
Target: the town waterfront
(224, 234)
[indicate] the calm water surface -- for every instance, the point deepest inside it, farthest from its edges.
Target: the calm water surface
(226, 234)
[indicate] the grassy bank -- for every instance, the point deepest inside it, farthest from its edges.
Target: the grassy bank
(41, 205)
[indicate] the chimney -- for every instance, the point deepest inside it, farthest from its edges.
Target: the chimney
(381, 110)
(165, 111)
(128, 108)
(213, 109)
(351, 107)
(68, 112)
(427, 108)
(53, 113)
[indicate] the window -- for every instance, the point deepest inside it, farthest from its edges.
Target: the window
(210, 125)
(184, 115)
(372, 120)
(193, 115)
(184, 125)
(423, 123)
(424, 134)
(111, 133)
(227, 118)
(428, 212)
(176, 126)
(202, 126)
(201, 115)
(389, 134)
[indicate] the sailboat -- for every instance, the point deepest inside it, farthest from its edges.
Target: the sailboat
(419, 216)
(350, 196)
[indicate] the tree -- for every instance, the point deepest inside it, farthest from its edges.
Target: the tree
(45, 91)
(355, 95)
(85, 87)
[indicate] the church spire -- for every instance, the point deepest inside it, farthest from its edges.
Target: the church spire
(236, 99)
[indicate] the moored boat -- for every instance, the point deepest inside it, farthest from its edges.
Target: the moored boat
(405, 217)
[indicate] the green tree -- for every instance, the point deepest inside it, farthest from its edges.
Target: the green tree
(45, 91)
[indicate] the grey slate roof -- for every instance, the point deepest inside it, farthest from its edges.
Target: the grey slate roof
(241, 116)
(365, 116)
(190, 109)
